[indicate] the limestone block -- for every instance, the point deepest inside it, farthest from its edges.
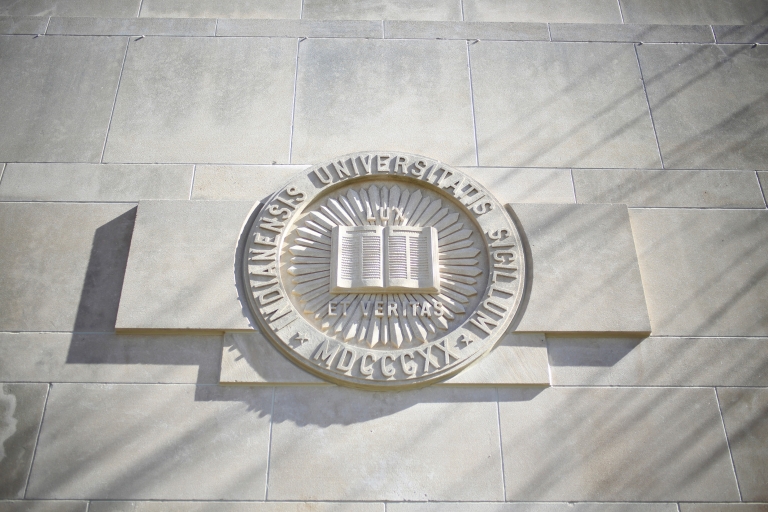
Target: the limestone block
(21, 411)
(658, 361)
(196, 506)
(221, 9)
(763, 178)
(582, 11)
(43, 506)
(511, 185)
(249, 358)
(693, 12)
(152, 442)
(181, 268)
(241, 182)
(531, 507)
(52, 282)
(426, 117)
(171, 105)
(106, 357)
(465, 30)
(299, 28)
(742, 33)
(700, 123)
(23, 25)
(59, 93)
(745, 413)
(435, 10)
(723, 507)
(614, 444)
(691, 189)
(631, 33)
(132, 26)
(542, 104)
(385, 446)
(94, 182)
(584, 274)
(704, 271)
(103, 8)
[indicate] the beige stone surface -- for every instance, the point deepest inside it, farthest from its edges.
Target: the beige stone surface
(578, 11)
(385, 446)
(723, 507)
(204, 100)
(115, 8)
(59, 93)
(221, 9)
(377, 10)
(531, 507)
(181, 268)
(631, 33)
(427, 117)
(734, 12)
(465, 30)
(94, 182)
(614, 444)
(51, 282)
(542, 104)
(763, 178)
(704, 271)
(299, 28)
(241, 182)
(511, 185)
(106, 357)
(745, 414)
(124, 441)
(692, 189)
(584, 275)
(742, 33)
(197, 506)
(21, 411)
(658, 361)
(43, 506)
(132, 26)
(518, 359)
(23, 25)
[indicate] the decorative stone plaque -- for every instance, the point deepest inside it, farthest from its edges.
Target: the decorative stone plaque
(383, 270)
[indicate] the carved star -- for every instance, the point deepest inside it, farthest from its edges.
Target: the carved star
(465, 340)
(301, 337)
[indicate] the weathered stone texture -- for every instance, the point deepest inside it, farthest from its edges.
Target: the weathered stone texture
(221, 9)
(579, 11)
(444, 10)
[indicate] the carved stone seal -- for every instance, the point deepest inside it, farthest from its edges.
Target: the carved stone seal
(383, 270)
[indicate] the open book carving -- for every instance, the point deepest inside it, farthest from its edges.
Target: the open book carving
(379, 258)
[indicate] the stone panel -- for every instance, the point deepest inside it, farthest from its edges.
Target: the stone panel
(745, 413)
(436, 10)
(584, 270)
(763, 179)
(271, 9)
(723, 507)
(299, 28)
(59, 93)
(511, 185)
(204, 100)
(196, 506)
(241, 182)
(52, 282)
(94, 182)
(131, 26)
(658, 361)
(700, 123)
(106, 357)
(104, 8)
(579, 11)
(531, 507)
(181, 268)
(704, 271)
(631, 33)
(23, 25)
(466, 30)
(348, 111)
(693, 12)
(385, 446)
(542, 104)
(691, 189)
(741, 33)
(43, 506)
(593, 444)
(152, 442)
(21, 411)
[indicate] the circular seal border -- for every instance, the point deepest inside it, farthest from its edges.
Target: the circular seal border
(364, 367)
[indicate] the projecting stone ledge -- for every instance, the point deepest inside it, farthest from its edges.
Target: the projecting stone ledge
(518, 359)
